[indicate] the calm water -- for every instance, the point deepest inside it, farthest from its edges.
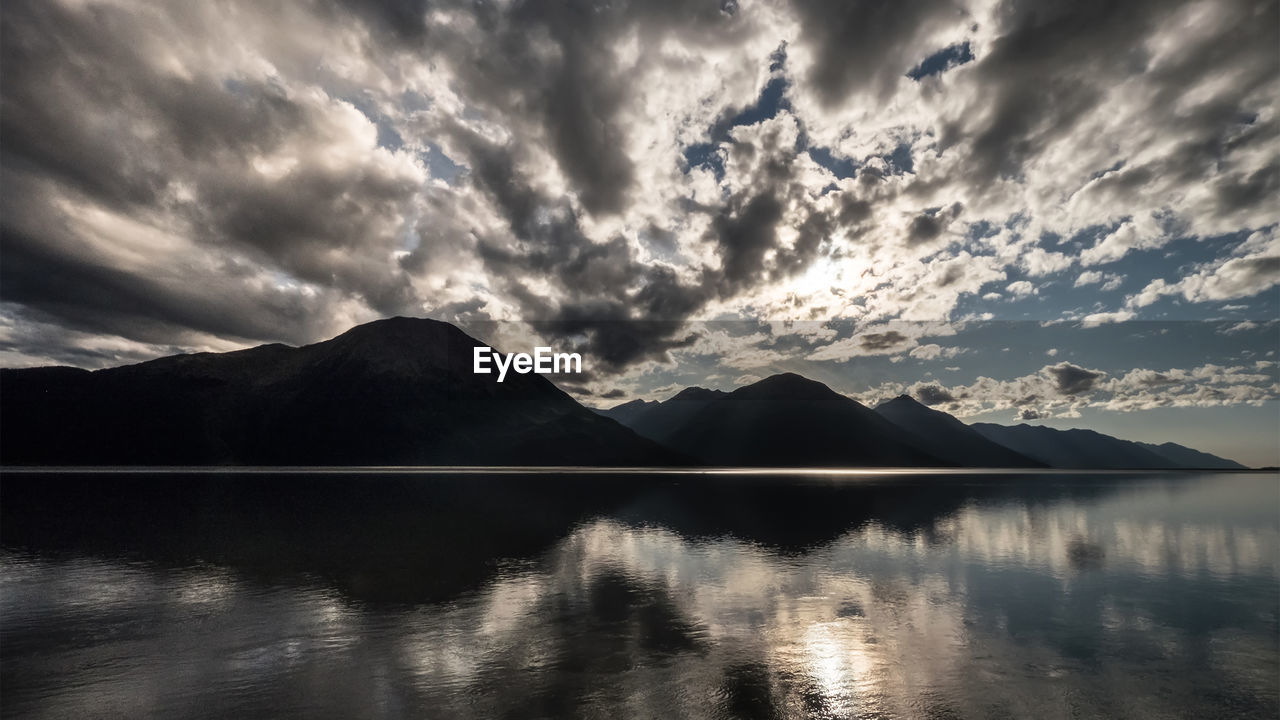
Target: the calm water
(1047, 596)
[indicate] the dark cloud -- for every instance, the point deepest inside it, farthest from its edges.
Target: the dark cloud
(745, 230)
(743, 235)
(92, 124)
(554, 64)
(1072, 379)
(864, 45)
(1242, 191)
(923, 228)
(929, 225)
(613, 394)
(853, 210)
(1041, 76)
(1055, 62)
(403, 19)
(625, 311)
(53, 284)
(934, 395)
(882, 341)
(1029, 414)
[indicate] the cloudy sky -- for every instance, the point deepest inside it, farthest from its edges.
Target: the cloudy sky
(1061, 212)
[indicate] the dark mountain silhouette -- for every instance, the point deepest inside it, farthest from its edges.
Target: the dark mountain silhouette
(659, 420)
(1089, 449)
(1189, 458)
(396, 391)
(950, 439)
(789, 421)
(628, 411)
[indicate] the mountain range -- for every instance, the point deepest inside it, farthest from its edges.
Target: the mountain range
(1090, 449)
(790, 421)
(766, 423)
(401, 391)
(947, 437)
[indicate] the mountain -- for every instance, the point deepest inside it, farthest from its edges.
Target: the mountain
(789, 421)
(627, 412)
(658, 420)
(1075, 448)
(1188, 458)
(946, 437)
(399, 391)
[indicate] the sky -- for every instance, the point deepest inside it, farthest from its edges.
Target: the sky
(1053, 212)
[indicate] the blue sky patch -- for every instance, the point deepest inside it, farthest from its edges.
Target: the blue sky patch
(942, 61)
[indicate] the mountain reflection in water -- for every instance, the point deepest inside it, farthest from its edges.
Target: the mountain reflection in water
(1045, 596)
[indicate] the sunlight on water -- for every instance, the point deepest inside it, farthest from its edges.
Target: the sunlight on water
(1142, 599)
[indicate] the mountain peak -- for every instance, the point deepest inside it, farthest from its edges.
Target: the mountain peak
(394, 391)
(404, 342)
(788, 381)
(697, 393)
(787, 420)
(947, 437)
(904, 402)
(401, 328)
(631, 405)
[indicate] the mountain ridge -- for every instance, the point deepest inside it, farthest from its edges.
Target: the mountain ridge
(658, 420)
(394, 391)
(1074, 448)
(787, 420)
(403, 391)
(946, 437)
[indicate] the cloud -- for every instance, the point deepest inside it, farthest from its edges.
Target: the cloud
(251, 210)
(1064, 390)
(1073, 379)
(863, 48)
(933, 395)
(887, 339)
(1021, 288)
(1108, 281)
(1103, 318)
(608, 175)
(933, 351)
(1239, 327)
(1254, 267)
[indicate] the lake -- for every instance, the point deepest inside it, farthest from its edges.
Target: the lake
(549, 595)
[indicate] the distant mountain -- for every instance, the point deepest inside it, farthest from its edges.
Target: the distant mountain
(627, 412)
(950, 439)
(396, 391)
(1188, 458)
(1089, 449)
(789, 421)
(659, 420)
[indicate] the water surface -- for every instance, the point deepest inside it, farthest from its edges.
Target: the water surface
(486, 596)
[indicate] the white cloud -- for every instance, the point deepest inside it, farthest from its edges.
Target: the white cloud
(1102, 318)
(1064, 390)
(933, 352)
(1253, 267)
(1021, 288)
